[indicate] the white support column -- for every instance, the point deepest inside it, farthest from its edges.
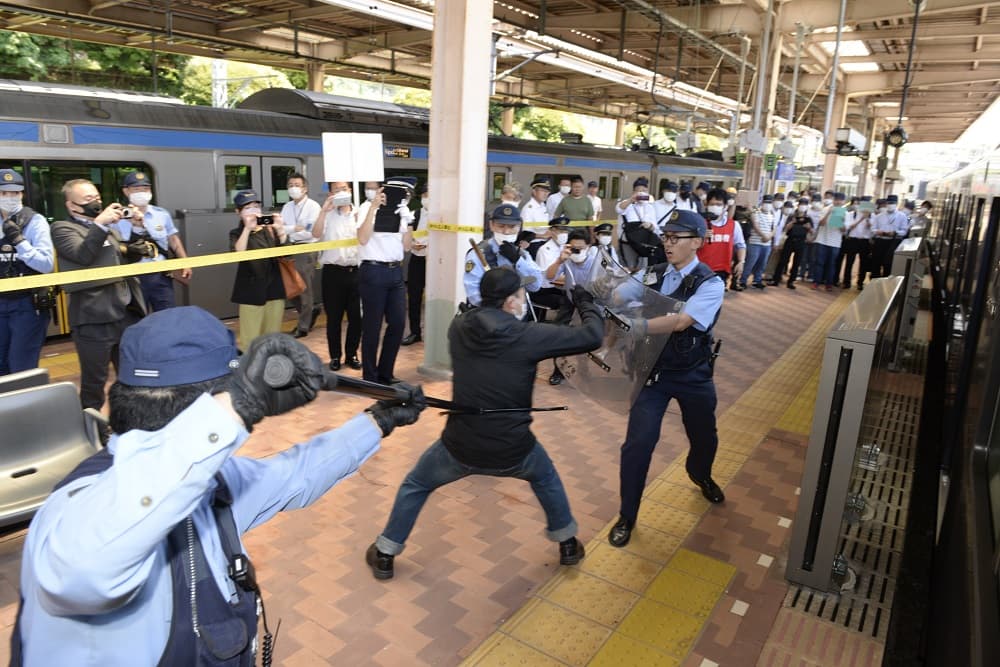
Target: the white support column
(836, 120)
(507, 121)
(619, 131)
(460, 85)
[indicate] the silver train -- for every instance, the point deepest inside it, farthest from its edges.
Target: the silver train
(198, 157)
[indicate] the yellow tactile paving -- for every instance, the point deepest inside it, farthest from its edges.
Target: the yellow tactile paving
(646, 604)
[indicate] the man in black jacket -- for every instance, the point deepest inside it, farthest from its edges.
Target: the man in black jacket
(494, 356)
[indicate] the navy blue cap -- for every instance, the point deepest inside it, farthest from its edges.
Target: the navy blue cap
(767, 198)
(816, 197)
(685, 187)
(641, 181)
(804, 200)
(176, 346)
(542, 183)
(134, 178)
(840, 195)
(670, 186)
(591, 184)
(604, 228)
(892, 199)
(506, 214)
(501, 282)
(403, 182)
(244, 197)
(686, 221)
(559, 221)
(779, 196)
(11, 181)
(704, 185)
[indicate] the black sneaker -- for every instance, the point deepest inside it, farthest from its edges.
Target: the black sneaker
(570, 551)
(709, 489)
(380, 563)
(621, 532)
(556, 378)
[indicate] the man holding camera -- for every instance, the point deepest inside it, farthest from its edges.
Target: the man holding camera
(258, 289)
(99, 310)
(25, 249)
(137, 558)
(153, 224)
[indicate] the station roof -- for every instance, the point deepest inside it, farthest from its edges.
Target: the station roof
(594, 56)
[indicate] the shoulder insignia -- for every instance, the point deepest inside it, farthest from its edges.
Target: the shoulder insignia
(469, 266)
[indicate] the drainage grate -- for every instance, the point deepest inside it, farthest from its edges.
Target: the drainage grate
(872, 534)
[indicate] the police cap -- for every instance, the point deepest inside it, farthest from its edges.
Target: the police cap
(559, 221)
(686, 222)
(134, 178)
(244, 197)
(604, 228)
(11, 181)
(542, 183)
(506, 214)
(670, 186)
(892, 199)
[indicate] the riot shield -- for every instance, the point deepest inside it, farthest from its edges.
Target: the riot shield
(614, 374)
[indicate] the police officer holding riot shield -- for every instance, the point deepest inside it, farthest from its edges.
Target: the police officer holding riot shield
(682, 372)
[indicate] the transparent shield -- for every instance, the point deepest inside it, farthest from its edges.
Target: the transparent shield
(614, 374)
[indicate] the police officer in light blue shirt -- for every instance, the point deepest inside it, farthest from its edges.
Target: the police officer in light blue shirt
(136, 557)
(500, 250)
(25, 249)
(152, 223)
(682, 372)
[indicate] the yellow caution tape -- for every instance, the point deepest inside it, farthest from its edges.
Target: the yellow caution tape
(445, 227)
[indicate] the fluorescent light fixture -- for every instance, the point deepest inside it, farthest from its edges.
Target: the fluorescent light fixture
(390, 11)
(885, 104)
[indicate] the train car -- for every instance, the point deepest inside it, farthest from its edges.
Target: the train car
(199, 157)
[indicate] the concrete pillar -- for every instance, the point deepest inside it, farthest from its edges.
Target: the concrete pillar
(462, 49)
(772, 80)
(507, 121)
(316, 74)
(836, 120)
(619, 131)
(863, 183)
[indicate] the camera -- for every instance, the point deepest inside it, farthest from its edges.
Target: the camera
(129, 212)
(642, 196)
(265, 219)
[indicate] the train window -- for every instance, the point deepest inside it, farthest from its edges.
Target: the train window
(237, 177)
(279, 183)
(496, 184)
(47, 179)
(616, 187)
(602, 187)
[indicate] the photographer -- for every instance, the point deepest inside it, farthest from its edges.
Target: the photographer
(137, 558)
(25, 249)
(99, 310)
(258, 289)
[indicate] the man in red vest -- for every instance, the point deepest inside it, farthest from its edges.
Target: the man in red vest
(723, 236)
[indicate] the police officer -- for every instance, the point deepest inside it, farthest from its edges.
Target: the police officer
(534, 213)
(25, 249)
(604, 233)
(494, 355)
(500, 250)
(136, 557)
(416, 269)
(154, 224)
(683, 372)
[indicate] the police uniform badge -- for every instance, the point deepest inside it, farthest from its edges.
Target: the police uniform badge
(508, 211)
(468, 266)
(673, 216)
(140, 176)
(8, 178)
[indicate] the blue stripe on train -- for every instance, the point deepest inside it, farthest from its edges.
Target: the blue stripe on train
(14, 131)
(127, 136)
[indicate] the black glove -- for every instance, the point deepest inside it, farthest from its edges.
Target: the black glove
(253, 399)
(581, 295)
(398, 412)
(136, 250)
(510, 251)
(12, 233)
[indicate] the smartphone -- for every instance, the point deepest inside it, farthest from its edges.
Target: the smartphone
(265, 219)
(642, 196)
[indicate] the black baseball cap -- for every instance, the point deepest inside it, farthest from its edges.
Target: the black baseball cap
(501, 282)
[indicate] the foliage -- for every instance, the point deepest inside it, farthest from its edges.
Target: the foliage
(413, 97)
(243, 79)
(55, 60)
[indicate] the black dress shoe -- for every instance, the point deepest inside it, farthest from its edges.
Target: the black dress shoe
(621, 532)
(380, 563)
(556, 378)
(335, 365)
(709, 489)
(299, 333)
(411, 339)
(739, 288)
(570, 552)
(354, 363)
(790, 285)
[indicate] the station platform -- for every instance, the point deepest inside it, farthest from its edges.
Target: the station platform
(479, 584)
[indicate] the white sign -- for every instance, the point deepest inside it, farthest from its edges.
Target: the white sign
(352, 156)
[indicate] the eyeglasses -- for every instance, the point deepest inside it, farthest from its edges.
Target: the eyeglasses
(672, 239)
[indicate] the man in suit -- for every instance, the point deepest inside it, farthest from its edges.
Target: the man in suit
(99, 310)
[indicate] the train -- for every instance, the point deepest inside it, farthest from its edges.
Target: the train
(198, 157)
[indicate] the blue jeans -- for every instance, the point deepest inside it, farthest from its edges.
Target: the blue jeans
(757, 256)
(824, 271)
(438, 467)
(22, 333)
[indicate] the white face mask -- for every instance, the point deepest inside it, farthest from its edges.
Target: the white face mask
(561, 238)
(767, 208)
(827, 202)
(702, 197)
(140, 198)
(370, 194)
(254, 210)
(604, 239)
(891, 208)
(505, 238)
(10, 204)
(564, 189)
(715, 208)
(295, 193)
(803, 208)
(817, 205)
(669, 197)
(880, 209)
(579, 257)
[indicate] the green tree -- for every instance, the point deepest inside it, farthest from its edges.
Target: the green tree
(51, 59)
(242, 80)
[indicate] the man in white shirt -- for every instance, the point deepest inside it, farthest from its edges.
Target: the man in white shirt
(687, 201)
(595, 199)
(637, 211)
(759, 243)
(565, 185)
(299, 215)
(857, 242)
(665, 205)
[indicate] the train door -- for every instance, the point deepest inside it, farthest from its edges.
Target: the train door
(268, 176)
(499, 176)
(609, 189)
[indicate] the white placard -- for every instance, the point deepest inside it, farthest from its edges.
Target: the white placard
(352, 156)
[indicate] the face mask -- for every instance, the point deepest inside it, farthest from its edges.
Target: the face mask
(702, 197)
(827, 202)
(294, 193)
(729, 202)
(767, 208)
(669, 196)
(140, 198)
(561, 238)
(579, 257)
(342, 199)
(803, 209)
(524, 310)
(10, 204)
(371, 194)
(425, 202)
(505, 238)
(817, 205)
(788, 210)
(714, 209)
(604, 240)
(250, 211)
(891, 208)
(91, 209)
(564, 189)
(880, 209)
